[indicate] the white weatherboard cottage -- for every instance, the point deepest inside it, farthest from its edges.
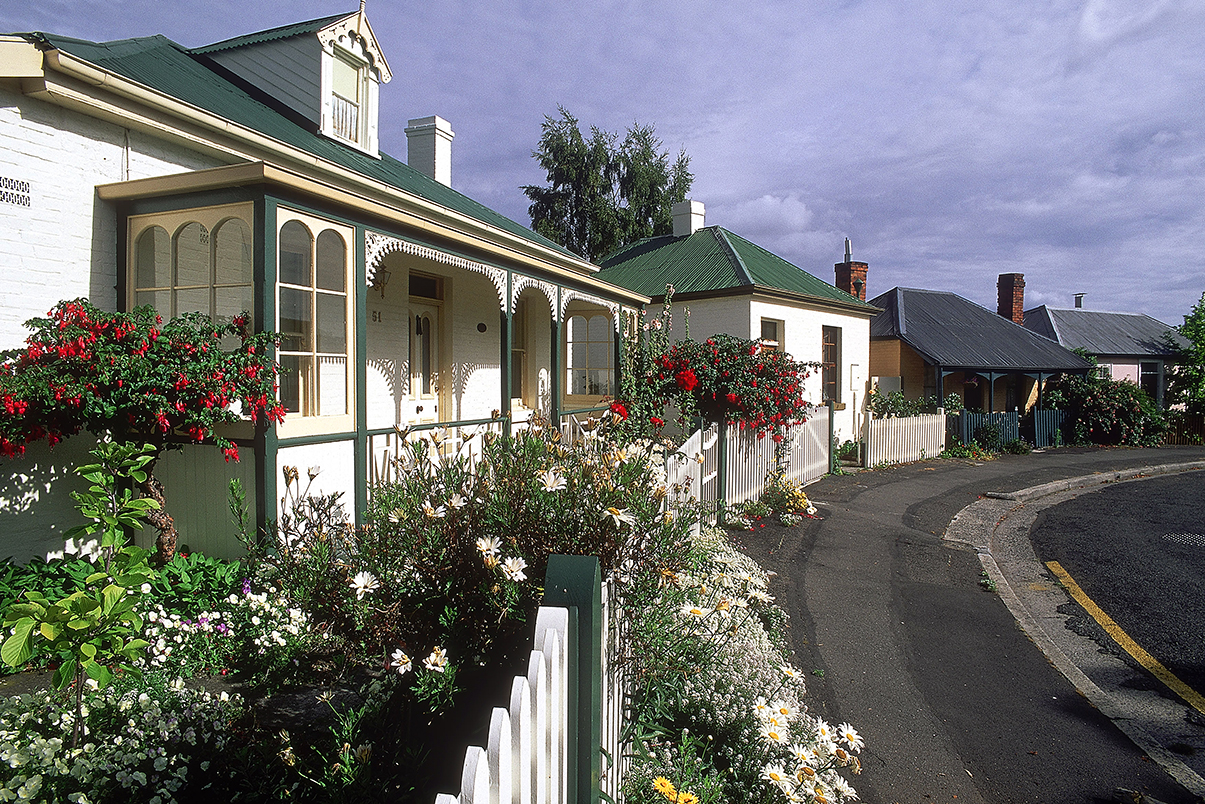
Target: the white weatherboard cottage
(736, 287)
(247, 175)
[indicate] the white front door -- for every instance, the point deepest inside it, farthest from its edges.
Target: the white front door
(425, 378)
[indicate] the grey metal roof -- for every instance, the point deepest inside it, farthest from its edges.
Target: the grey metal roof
(950, 331)
(1101, 333)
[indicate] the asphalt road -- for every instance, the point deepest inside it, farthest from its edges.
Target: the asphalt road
(903, 640)
(1138, 550)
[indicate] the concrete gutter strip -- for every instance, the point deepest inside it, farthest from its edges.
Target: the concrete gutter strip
(1100, 478)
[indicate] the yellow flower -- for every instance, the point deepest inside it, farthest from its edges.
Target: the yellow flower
(665, 788)
(688, 798)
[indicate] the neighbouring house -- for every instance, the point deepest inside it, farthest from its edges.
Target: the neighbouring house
(733, 286)
(1127, 346)
(935, 343)
(248, 174)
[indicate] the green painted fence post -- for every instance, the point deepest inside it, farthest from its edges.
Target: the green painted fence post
(575, 582)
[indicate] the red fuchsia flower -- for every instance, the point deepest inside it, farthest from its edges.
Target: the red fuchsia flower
(231, 452)
(731, 398)
(619, 410)
(656, 421)
(687, 380)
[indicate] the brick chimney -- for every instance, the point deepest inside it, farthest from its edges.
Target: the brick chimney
(1010, 297)
(851, 276)
(429, 147)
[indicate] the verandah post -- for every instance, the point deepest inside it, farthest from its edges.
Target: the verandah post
(575, 582)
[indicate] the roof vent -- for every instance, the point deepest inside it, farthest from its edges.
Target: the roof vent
(1079, 300)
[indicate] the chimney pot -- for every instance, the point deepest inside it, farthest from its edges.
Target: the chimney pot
(689, 217)
(429, 147)
(1010, 297)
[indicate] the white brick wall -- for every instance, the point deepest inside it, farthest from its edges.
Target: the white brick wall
(476, 356)
(63, 245)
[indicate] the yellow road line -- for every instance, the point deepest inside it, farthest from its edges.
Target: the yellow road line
(1156, 668)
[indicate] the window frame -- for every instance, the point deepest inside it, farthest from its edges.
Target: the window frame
(830, 371)
(302, 422)
(571, 400)
(210, 218)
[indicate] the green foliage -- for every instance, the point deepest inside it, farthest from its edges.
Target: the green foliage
(971, 451)
(987, 436)
(1110, 412)
(1018, 446)
(893, 404)
(1186, 382)
(603, 193)
(192, 582)
(96, 626)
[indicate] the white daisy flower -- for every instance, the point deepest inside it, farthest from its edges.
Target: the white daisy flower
(513, 568)
(402, 662)
(432, 512)
(489, 546)
(437, 661)
(552, 480)
(457, 502)
(851, 737)
(620, 516)
(363, 583)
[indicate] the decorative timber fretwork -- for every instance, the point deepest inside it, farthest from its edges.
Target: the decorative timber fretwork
(377, 245)
(522, 283)
(568, 295)
(351, 35)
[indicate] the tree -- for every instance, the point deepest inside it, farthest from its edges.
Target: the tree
(1186, 383)
(604, 193)
(131, 377)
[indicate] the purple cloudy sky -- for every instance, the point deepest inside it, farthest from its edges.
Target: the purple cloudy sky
(1060, 139)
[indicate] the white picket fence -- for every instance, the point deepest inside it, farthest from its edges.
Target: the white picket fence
(526, 759)
(903, 439)
(695, 466)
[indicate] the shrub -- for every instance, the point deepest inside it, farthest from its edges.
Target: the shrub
(893, 404)
(719, 711)
(1110, 412)
(130, 376)
(1018, 446)
(987, 436)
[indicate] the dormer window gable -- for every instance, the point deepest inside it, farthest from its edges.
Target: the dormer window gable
(351, 78)
(326, 72)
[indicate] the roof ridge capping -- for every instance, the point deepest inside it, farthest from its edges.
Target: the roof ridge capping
(279, 32)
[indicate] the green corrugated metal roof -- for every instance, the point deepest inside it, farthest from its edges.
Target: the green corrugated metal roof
(710, 260)
(283, 32)
(162, 65)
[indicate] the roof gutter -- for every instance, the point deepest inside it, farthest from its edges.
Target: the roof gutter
(92, 75)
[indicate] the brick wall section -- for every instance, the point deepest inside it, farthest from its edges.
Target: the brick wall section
(1010, 297)
(63, 244)
(851, 278)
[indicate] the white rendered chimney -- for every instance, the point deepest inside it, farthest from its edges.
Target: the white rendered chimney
(688, 217)
(429, 147)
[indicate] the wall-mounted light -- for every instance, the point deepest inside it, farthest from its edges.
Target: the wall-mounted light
(380, 279)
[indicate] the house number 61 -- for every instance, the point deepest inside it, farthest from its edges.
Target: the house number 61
(376, 315)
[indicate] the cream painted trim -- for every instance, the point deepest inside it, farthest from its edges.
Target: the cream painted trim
(454, 224)
(19, 59)
(295, 424)
(798, 299)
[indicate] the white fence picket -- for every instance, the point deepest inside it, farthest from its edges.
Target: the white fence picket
(903, 439)
(526, 758)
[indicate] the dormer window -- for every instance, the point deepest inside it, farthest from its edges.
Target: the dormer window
(347, 97)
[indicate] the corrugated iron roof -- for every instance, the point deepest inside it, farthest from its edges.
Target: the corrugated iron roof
(164, 66)
(709, 260)
(1101, 333)
(950, 331)
(282, 32)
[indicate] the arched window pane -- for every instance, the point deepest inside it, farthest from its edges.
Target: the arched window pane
(332, 261)
(295, 249)
(153, 259)
(599, 328)
(192, 257)
(232, 253)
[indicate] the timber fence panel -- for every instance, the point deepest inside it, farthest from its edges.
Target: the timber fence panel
(1007, 423)
(808, 449)
(525, 762)
(750, 459)
(615, 758)
(904, 439)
